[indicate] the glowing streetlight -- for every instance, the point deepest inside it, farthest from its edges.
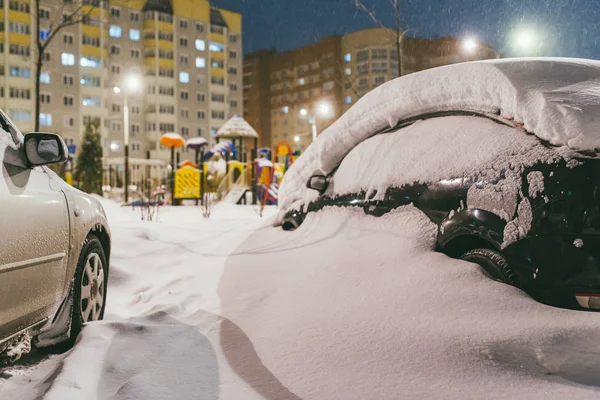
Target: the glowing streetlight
(469, 45)
(324, 109)
(526, 40)
(296, 139)
(133, 84)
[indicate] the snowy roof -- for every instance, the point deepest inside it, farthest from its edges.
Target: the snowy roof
(557, 99)
(236, 127)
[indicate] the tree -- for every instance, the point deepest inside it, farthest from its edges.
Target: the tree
(346, 82)
(88, 168)
(399, 34)
(67, 14)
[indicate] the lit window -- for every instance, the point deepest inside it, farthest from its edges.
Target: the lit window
(91, 62)
(20, 72)
(44, 34)
(45, 77)
(301, 81)
(184, 77)
(19, 115)
(134, 34)
(348, 99)
(114, 31)
(68, 59)
(348, 57)
(200, 45)
(348, 71)
(90, 81)
(200, 62)
(91, 101)
(46, 119)
(286, 109)
(216, 47)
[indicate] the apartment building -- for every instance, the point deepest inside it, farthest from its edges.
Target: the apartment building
(256, 71)
(306, 89)
(184, 55)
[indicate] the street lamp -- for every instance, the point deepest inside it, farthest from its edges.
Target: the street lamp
(324, 110)
(527, 41)
(296, 139)
(133, 83)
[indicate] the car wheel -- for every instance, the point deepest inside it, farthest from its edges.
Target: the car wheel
(493, 265)
(89, 287)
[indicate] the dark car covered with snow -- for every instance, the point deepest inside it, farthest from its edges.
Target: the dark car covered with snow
(515, 189)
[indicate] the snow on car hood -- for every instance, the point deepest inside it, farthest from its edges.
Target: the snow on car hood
(557, 99)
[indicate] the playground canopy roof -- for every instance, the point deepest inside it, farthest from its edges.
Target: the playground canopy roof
(236, 127)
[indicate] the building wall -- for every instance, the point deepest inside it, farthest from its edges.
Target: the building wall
(257, 110)
(307, 79)
(361, 61)
(189, 64)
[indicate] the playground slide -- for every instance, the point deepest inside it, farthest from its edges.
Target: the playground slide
(235, 194)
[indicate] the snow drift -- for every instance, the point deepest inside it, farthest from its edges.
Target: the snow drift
(556, 99)
(348, 306)
(351, 306)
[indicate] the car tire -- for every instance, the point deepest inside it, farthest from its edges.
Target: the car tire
(90, 284)
(493, 265)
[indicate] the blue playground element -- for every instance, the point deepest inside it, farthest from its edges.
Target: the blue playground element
(222, 149)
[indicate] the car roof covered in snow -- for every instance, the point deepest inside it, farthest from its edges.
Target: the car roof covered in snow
(557, 99)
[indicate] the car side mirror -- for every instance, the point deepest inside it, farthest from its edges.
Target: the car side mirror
(43, 148)
(318, 183)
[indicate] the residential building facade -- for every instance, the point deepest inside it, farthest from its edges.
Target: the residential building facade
(318, 83)
(256, 94)
(185, 54)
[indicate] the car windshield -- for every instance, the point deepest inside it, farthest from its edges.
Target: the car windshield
(300, 199)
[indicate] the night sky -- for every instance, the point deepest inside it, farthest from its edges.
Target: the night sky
(567, 28)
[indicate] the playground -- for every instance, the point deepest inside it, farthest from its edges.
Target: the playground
(234, 170)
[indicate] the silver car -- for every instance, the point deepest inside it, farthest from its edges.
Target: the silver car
(54, 247)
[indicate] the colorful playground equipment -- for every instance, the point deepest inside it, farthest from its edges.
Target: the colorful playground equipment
(231, 180)
(269, 173)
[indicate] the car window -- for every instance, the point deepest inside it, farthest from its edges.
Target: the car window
(4, 124)
(554, 217)
(9, 129)
(591, 213)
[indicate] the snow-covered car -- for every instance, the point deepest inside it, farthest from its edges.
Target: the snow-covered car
(54, 246)
(500, 155)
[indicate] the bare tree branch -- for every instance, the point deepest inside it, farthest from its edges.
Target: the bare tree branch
(347, 79)
(58, 13)
(74, 17)
(370, 13)
(398, 33)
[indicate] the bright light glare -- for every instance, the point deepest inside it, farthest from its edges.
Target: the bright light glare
(324, 109)
(469, 44)
(133, 83)
(303, 112)
(525, 39)
(117, 89)
(296, 138)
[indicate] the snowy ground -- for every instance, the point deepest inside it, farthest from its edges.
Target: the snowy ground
(346, 307)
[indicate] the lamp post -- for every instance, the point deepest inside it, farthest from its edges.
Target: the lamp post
(132, 85)
(323, 109)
